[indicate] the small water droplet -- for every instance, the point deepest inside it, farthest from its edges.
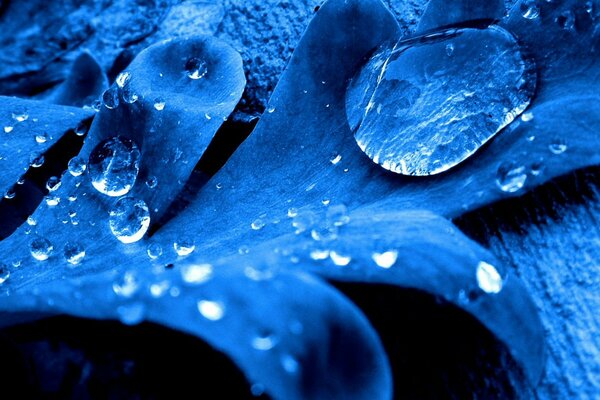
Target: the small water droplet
(41, 248)
(264, 342)
(244, 250)
(510, 177)
(123, 79)
(289, 364)
(110, 98)
(257, 224)
(53, 183)
(129, 219)
(152, 182)
(52, 200)
(488, 278)
(4, 273)
(196, 68)
(31, 221)
(159, 289)
(184, 247)
(20, 117)
(159, 104)
(74, 253)
(10, 194)
(36, 160)
(81, 129)
(154, 250)
(8, 129)
(340, 259)
(526, 117)
(41, 138)
(326, 201)
(271, 110)
(335, 160)
(530, 9)
(211, 310)
(386, 259)
(558, 146)
(449, 49)
(196, 274)
(304, 221)
(114, 165)
(127, 285)
(77, 166)
(292, 212)
(319, 254)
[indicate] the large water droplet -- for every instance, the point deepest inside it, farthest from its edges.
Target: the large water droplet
(114, 165)
(129, 219)
(510, 177)
(211, 310)
(416, 111)
(41, 248)
(488, 278)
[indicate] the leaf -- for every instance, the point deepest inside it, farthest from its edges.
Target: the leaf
(442, 13)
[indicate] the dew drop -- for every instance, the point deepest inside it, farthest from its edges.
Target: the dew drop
(530, 9)
(196, 274)
(386, 259)
(8, 129)
(184, 247)
(159, 104)
(319, 254)
(488, 278)
(154, 250)
(36, 160)
(114, 165)
(510, 177)
(416, 111)
(74, 253)
(257, 224)
(336, 160)
(41, 248)
(41, 138)
(340, 259)
(292, 212)
(526, 117)
(129, 220)
(211, 310)
(152, 182)
(558, 146)
(53, 183)
(10, 194)
(123, 79)
(196, 68)
(20, 117)
(263, 342)
(110, 98)
(52, 200)
(81, 129)
(337, 215)
(77, 166)
(126, 286)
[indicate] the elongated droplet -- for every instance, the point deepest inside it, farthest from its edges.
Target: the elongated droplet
(129, 219)
(488, 278)
(416, 111)
(114, 165)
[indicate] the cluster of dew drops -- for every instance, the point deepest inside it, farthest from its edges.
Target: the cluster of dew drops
(112, 168)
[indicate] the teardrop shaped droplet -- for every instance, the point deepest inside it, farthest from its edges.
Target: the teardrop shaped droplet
(114, 165)
(416, 111)
(129, 219)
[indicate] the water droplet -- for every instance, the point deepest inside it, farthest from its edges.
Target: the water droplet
(74, 253)
(81, 129)
(449, 49)
(31, 221)
(340, 259)
(264, 342)
(319, 254)
(271, 110)
(336, 160)
(154, 250)
(110, 98)
(244, 250)
(128, 94)
(257, 224)
(211, 310)
(558, 146)
(488, 278)
(20, 117)
(159, 104)
(537, 168)
(41, 138)
(416, 111)
(53, 183)
(8, 129)
(77, 166)
(123, 79)
(530, 9)
(126, 286)
(41, 248)
(159, 289)
(131, 314)
(526, 117)
(511, 177)
(304, 221)
(196, 274)
(184, 247)
(52, 200)
(292, 212)
(152, 182)
(10, 194)
(326, 201)
(290, 364)
(36, 160)
(219, 186)
(114, 165)
(386, 259)
(196, 68)
(324, 233)
(4, 273)
(129, 219)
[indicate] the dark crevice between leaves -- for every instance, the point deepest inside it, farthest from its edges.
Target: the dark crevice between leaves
(473, 24)
(437, 350)
(65, 357)
(29, 195)
(227, 139)
(536, 207)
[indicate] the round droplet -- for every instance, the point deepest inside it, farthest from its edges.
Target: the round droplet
(196, 68)
(129, 219)
(488, 278)
(36, 160)
(184, 247)
(4, 273)
(196, 274)
(20, 116)
(74, 253)
(264, 341)
(152, 182)
(257, 224)
(511, 177)
(41, 138)
(77, 166)
(159, 104)
(211, 310)
(416, 111)
(8, 129)
(558, 146)
(530, 9)
(290, 364)
(154, 250)
(53, 183)
(110, 98)
(386, 259)
(81, 129)
(340, 259)
(41, 248)
(114, 165)
(129, 95)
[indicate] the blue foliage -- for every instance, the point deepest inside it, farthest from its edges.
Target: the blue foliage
(297, 208)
